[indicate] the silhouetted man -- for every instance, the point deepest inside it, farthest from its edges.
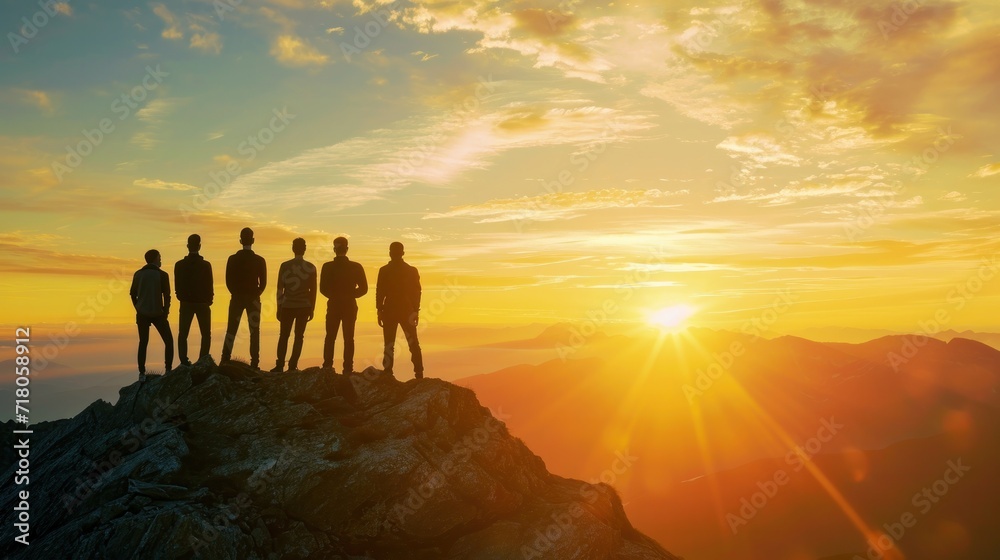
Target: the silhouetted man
(397, 300)
(195, 290)
(296, 303)
(342, 281)
(246, 277)
(150, 294)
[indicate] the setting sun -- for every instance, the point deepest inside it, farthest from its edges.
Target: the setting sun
(671, 317)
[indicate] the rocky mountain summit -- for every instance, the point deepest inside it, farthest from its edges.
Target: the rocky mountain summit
(232, 463)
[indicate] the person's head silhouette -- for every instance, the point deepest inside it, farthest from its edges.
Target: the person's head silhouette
(340, 246)
(246, 237)
(153, 257)
(396, 250)
(194, 243)
(299, 246)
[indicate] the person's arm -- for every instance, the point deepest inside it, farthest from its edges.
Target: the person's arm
(231, 274)
(379, 296)
(416, 297)
(311, 286)
(380, 291)
(165, 280)
(177, 280)
(133, 292)
(261, 275)
(361, 282)
(211, 283)
(416, 290)
(326, 282)
(279, 288)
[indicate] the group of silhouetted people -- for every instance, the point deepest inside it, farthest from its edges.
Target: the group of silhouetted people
(342, 281)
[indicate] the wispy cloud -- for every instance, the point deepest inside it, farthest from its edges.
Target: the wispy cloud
(431, 148)
(988, 170)
(208, 42)
(172, 26)
(36, 98)
(163, 185)
(560, 206)
(153, 115)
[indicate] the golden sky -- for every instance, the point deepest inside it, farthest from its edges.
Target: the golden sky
(543, 161)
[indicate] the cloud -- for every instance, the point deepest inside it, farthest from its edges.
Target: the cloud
(954, 196)
(550, 38)
(172, 27)
(153, 115)
(431, 148)
(163, 185)
(292, 50)
(287, 46)
(26, 253)
(988, 170)
(207, 42)
(36, 98)
(560, 205)
(759, 151)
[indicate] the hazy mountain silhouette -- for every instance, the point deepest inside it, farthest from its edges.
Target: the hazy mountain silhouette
(230, 462)
(59, 391)
(699, 452)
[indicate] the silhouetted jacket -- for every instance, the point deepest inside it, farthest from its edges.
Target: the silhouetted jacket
(397, 291)
(343, 281)
(297, 284)
(193, 280)
(150, 292)
(246, 274)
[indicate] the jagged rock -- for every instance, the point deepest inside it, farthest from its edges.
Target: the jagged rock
(229, 462)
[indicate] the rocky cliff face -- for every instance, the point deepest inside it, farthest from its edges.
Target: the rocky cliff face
(227, 462)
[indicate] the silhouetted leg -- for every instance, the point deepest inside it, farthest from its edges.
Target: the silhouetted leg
(253, 317)
(300, 333)
(163, 327)
(389, 338)
(204, 314)
(185, 315)
(332, 328)
(410, 331)
(286, 329)
(350, 319)
(235, 314)
(143, 326)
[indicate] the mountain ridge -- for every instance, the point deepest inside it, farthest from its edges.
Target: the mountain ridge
(229, 462)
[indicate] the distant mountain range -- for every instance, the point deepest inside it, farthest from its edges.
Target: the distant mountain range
(61, 391)
(707, 415)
